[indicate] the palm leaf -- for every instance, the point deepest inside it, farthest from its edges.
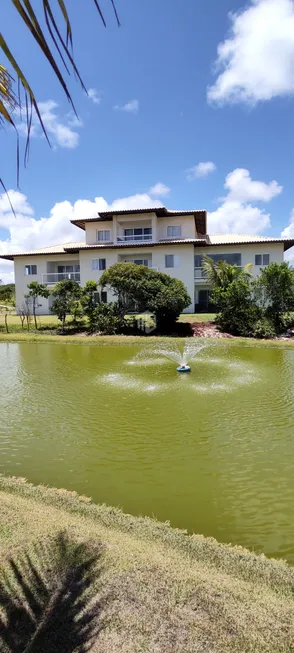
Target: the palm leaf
(61, 46)
(46, 599)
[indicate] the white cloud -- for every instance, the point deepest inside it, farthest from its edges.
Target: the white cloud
(256, 60)
(25, 232)
(241, 187)
(160, 190)
(130, 107)
(236, 214)
(288, 232)
(93, 95)
(60, 130)
(202, 169)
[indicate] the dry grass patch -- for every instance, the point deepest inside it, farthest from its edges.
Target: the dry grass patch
(167, 592)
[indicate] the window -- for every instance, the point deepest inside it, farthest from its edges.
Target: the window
(174, 232)
(103, 235)
(104, 297)
(169, 261)
(30, 269)
(232, 259)
(143, 261)
(198, 261)
(99, 264)
(138, 233)
(100, 297)
(262, 259)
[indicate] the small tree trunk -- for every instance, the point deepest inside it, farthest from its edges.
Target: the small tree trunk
(63, 323)
(34, 311)
(28, 322)
(6, 324)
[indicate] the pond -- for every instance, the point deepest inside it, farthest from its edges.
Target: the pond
(211, 451)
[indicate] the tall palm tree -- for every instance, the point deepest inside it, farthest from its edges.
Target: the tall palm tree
(56, 47)
(220, 274)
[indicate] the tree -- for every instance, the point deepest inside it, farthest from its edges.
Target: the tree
(88, 302)
(37, 290)
(65, 294)
(220, 274)
(237, 309)
(140, 288)
(53, 45)
(276, 286)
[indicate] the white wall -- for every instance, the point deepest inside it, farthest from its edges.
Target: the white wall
(186, 222)
(91, 229)
(184, 258)
(275, 250)
(22, 281)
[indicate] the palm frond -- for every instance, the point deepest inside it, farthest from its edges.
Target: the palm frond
(46, 599)
(56, 44)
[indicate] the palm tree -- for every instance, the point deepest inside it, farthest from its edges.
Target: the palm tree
(56, 47)
(220, 274)
(47, 598)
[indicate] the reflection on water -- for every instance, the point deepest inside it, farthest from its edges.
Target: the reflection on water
(210, 451)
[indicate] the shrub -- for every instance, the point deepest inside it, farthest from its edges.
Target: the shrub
(140, 287)
(287, 321)
(276, 282)
(107, 319)
(238, 312)
(263, 328)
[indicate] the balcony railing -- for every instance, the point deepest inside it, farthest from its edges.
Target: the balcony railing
(199, 274)
(135, 239)
(54, 277)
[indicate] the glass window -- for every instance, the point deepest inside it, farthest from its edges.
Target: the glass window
(95, 264)
(232, 259)
(147, 231)
(258, 259)
(141, 261)
(128, 232)
(30, 269)
(102, 264)
(197, 261)
(169, 260)
(138, 231)
(103, 235)
(104, 296)
(174, 232)
(265, 259)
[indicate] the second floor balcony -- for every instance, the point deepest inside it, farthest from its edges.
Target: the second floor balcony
(135, 235)
(50, 278)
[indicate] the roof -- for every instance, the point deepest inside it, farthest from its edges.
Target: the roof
(209, 240)
(53, 249)
(160, 212)
(245, 239)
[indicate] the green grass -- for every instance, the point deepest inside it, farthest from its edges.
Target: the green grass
(197, 317)
(167, 592)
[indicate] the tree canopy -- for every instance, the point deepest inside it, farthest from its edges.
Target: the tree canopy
(140, 288)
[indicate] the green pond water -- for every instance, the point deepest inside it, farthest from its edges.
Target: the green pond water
(211, 451)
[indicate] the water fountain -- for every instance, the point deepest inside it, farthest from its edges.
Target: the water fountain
(182, 357)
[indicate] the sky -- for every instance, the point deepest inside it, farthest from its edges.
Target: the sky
(190, 104)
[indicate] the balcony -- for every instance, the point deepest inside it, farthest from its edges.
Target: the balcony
(135, 238)
(53, 277)
(199, 275)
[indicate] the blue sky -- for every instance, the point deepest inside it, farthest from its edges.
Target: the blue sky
(176, 85)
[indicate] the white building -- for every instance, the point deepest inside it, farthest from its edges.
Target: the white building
(169, 241)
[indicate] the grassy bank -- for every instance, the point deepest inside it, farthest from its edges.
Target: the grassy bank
(167, 592)
(85, 339)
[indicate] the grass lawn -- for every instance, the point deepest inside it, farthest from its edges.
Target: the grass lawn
(166, 592)
(196, 317)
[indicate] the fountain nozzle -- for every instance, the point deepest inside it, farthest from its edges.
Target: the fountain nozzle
(184, 368)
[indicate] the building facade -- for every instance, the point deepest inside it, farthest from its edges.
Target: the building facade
(169, 241)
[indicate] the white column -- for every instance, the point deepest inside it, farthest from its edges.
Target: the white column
(154, 228)
(114, 229)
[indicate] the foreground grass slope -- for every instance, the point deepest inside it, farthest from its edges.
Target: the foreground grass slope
(166, 592)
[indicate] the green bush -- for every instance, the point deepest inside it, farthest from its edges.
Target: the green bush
(238, 312)
(107, 319)
(287, 321)
(263, 328)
